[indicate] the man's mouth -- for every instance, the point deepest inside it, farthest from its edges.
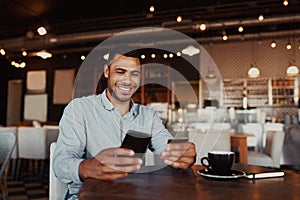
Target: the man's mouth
(125, 88)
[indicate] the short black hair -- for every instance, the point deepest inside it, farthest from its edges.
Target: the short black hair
(122, 50)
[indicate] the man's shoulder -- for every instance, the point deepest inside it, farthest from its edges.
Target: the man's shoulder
(84, 100)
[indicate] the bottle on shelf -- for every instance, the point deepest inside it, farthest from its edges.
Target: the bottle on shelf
(245, 98)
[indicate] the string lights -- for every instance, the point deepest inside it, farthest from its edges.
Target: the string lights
(273, 44)
(224, 36)
(200, 26)
(179, 19)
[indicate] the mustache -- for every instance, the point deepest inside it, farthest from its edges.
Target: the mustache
(127, 85)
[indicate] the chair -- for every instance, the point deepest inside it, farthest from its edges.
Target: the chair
(7, 143)
(57, 188)
(14, 154)
(255, 142)
(32, 145)
(270, 157)
(291, 147)
(209, 140)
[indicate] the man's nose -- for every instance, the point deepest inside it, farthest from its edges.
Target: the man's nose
(126, 78)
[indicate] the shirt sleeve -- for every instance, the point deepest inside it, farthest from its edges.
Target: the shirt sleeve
(70, 147)
(160, 134)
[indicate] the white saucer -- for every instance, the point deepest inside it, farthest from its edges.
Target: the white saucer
(234, 174)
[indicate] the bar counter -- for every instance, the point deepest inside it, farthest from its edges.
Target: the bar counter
(170, 183)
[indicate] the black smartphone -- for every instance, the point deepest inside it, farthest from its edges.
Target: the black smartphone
(178, 140)
(137, 141)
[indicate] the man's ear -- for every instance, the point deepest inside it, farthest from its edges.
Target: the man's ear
(106, 71)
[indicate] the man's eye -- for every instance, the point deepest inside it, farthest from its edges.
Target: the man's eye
(120, 72)
(136, 73)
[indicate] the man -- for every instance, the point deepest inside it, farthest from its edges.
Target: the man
(92, 129)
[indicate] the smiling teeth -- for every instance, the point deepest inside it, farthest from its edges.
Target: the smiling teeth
(122, 88)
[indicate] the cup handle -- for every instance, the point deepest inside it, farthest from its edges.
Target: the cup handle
(205, 161)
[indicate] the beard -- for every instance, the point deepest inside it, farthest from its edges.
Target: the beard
(122, 92)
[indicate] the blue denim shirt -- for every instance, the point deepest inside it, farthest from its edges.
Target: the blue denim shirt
(91, 124)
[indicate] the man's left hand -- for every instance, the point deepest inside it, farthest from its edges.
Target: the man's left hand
(179, 155)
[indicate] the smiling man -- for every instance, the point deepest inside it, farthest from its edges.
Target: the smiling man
(123, 79)
(92, 129)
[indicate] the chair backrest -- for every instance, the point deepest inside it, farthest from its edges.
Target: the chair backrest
(14, 129)
(209, 140)
(57, 189)
(221, 126)
(7, 143)
(32, 143)
(52, 135)
(274, 144)
(257, 130)
(271, 127)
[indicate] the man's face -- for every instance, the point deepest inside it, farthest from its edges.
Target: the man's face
(123, 77)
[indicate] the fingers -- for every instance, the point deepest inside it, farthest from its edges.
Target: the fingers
(119, 159)
(121, 168)
(179, 155)
(179, 149)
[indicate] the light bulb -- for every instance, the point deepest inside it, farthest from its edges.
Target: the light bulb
(179, 19)
(240, 29)
(273, 44)
(202, 27)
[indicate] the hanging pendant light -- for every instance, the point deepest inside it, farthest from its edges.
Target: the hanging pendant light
(253, 72)
(190, 50)
(210, 74)
(44, 54)
(292, 70)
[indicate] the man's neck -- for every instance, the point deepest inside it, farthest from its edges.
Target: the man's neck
(123, 106)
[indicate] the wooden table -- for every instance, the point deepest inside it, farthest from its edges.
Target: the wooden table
(239, 140)
(169, 183)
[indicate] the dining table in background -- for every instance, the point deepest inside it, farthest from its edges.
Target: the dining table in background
(170, 183)
(238, 142)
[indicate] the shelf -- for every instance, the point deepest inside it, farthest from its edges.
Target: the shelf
(282, 87)
(258, 96)
(261, 92)
(283, 96)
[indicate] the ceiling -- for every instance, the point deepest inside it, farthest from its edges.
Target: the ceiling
(80, 25)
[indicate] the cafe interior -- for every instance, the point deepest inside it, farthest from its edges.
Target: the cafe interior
(224, 74)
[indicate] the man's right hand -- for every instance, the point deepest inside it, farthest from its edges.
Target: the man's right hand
(110, 164)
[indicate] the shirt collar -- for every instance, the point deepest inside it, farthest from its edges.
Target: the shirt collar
(134, 108)
(106, 103)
